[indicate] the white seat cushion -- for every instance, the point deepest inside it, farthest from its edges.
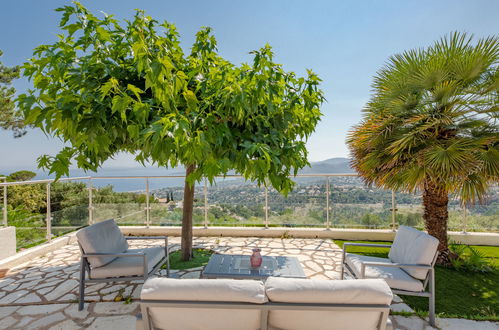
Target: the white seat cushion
(130, 266)
(412, 246)
(102, 237)
(287, 290)
(395, 277)
(221, 290)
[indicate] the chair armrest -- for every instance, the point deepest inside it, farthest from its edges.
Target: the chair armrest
(345, 245)
(138, 254)
(396, 265)
(366, 244)
(389, 264)
(144, 237)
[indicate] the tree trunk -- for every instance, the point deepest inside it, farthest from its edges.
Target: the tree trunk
(435, 202)
(186, 243)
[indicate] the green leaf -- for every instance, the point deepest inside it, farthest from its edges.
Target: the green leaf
(72, 28)
(33, 115)
(67, 12)
(102, 33)
(120, 103)
(135, 90)
(111, 84)
(133, 130)
(191, 100)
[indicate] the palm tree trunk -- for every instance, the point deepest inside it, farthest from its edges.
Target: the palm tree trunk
(186, 242)
(435, 202)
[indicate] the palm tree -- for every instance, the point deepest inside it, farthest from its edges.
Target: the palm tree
(431, 125)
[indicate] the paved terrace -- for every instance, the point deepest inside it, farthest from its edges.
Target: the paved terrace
(42, 293)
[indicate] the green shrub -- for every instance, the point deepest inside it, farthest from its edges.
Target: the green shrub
(470, 259)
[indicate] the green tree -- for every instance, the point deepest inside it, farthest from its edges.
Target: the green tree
(21, 176)
(431, 126)
(9, 119)
(30, 197)
(107, 86)
(68, 194)
(371, 220)
(409, 219)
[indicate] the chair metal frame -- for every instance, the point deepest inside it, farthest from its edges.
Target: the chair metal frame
(85, 266)
(429, 280)
(145, 318)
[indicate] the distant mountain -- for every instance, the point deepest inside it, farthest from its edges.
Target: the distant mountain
(332, 165)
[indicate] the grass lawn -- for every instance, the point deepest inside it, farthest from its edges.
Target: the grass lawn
(459, 294)
(201, 258)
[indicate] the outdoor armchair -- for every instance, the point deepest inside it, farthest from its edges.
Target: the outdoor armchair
(106, 257)
(409, 268)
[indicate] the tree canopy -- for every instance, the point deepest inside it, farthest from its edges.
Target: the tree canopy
(433, 118)
(22, 175)
(107, 86)
(9, 119)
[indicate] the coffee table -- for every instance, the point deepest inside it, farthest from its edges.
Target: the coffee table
(238, 267)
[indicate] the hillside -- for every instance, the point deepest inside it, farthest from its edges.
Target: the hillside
(332, 165)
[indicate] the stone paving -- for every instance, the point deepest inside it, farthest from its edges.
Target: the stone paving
(42, 293)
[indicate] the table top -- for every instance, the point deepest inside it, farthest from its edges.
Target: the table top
(238, 267)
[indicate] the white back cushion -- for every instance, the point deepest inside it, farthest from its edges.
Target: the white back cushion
(102, 237)
(222, 290)
(412, 246)
(368, 291)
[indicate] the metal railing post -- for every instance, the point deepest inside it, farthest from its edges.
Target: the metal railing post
(465, 222)
(394, 210)
(266, 207)
(90, 203)
(148, 209)
(49, 215)
(327, 203)
(205, 191)
(4, 203)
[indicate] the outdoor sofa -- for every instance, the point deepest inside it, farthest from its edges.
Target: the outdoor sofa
(409, 268)
(279, 303)
(106, 256)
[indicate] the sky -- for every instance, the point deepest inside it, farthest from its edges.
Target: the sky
(344, 42)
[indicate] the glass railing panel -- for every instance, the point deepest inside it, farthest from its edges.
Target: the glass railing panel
(30, 229)
(481, 216)
(235, 202)
(123, 200)
(69, 219)
(167, 203)
(123, 213)
(68, 206)
(355, 205)
(26, 210)
(304, 206)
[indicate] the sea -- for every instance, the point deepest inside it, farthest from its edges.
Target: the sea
(103, 177)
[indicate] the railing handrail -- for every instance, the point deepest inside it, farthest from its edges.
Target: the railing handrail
(18, 183)
(119, 177)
